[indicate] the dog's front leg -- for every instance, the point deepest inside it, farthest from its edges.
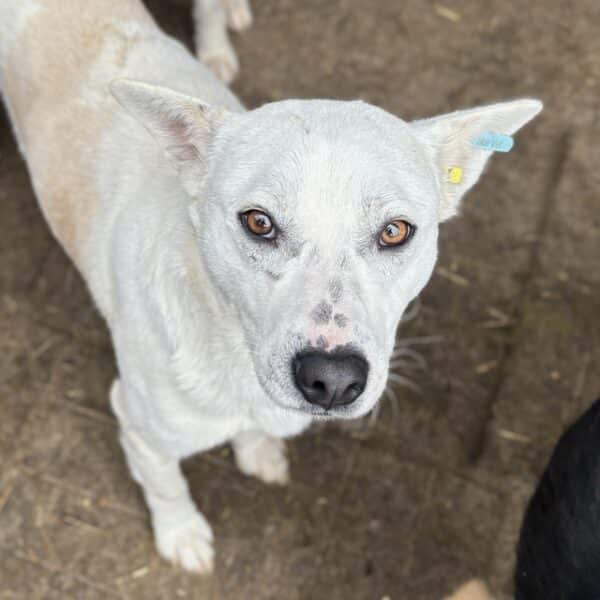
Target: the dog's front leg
(182, 534)
(262, 456)
(239, 14)
(213, 46)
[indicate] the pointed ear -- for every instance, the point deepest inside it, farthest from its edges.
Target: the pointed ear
(449, 142)
(183, 126)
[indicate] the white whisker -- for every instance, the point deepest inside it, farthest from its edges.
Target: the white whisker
(411, 312)
(416, 341)
(401, 356)
(405, 382)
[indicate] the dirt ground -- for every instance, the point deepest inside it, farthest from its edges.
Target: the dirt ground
(433, 492)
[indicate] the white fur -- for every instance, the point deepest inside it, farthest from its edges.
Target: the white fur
(212, 17)
(206, 319)
(262, 456)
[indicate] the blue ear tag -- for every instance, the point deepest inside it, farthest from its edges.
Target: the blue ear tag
(496, 142)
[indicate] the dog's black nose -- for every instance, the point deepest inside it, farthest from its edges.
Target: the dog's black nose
(330, 379)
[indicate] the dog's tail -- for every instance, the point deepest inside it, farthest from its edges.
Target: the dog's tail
(473, 590)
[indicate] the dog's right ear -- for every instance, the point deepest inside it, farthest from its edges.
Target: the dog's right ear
(183, 126)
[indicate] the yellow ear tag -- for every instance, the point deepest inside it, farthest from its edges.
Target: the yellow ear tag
(454, 174)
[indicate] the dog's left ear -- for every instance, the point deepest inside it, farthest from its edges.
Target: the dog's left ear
(183, 126)
(451, 142)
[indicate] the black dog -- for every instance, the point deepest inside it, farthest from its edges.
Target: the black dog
(558, 556)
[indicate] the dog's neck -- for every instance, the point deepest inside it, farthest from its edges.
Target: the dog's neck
(199, 322)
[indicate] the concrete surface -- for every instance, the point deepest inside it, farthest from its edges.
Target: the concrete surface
(433, 492)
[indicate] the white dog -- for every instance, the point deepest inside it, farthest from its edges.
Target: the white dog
(252, 265)
(214, 49)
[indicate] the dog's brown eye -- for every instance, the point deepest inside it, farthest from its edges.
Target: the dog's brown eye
(259, 223)
(395, 233)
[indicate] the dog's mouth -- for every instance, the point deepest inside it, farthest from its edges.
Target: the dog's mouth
(318, 412)
(297, 405)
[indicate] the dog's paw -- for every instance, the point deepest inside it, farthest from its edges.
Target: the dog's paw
(262, 456)
(189, 545)
(239, 14)
(221, 60)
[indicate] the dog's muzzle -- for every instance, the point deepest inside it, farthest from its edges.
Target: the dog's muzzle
(330, 380)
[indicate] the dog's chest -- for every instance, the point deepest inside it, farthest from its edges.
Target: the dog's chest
(210, 404)
(186, 431)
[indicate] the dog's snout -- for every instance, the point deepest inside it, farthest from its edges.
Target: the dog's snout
(330, 380)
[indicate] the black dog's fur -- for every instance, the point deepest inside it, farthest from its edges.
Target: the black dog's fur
(558, 556)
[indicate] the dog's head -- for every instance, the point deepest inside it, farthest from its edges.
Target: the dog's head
(318, 221)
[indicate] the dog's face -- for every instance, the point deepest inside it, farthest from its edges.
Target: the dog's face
(320, 227)
(318, 222)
